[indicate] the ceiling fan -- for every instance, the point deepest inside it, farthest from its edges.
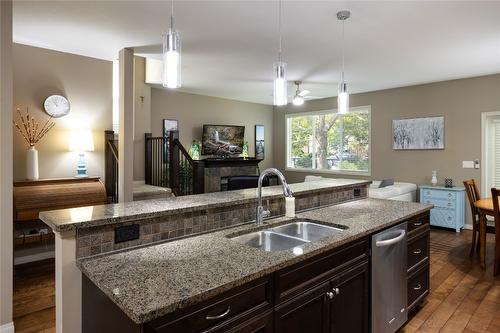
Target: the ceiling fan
(300, 95)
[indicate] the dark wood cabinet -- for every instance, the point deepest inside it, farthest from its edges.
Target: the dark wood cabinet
(309, 312)
(328, 293)
(418, 260)
(259, 324)
(350, 306)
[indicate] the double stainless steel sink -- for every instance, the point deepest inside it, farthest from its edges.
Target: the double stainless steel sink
(288, 236)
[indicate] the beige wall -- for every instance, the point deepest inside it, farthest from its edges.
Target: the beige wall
(86, 82)
(6, 166)
(461, 102)
(192, 111)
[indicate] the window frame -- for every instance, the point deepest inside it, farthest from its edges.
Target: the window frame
(288, 142)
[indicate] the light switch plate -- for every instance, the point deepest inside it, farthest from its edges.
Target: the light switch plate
(468, 164)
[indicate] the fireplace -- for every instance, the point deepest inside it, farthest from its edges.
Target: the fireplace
(218, 170)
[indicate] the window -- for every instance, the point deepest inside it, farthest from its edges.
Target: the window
(325, 141)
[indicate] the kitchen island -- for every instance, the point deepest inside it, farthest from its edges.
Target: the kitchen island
(189, 284)
(99, 230)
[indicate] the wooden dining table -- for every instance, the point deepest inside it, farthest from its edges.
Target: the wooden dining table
(484, 208)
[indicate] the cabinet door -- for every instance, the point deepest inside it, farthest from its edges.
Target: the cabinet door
(308, 312)
(259, 324)
(349, 308)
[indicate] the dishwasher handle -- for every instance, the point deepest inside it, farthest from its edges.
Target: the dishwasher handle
(391, 241)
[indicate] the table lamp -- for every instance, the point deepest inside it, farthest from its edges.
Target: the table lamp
(81, 141)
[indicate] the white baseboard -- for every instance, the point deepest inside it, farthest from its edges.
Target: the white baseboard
(7, 328)
(468, 226)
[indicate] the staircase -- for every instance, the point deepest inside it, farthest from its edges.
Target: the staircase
(142, 190)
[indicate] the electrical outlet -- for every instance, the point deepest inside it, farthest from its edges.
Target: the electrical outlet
(127, 233)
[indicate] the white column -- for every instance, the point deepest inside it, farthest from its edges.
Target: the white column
(126, 133)
(68, 285)
(6, 223)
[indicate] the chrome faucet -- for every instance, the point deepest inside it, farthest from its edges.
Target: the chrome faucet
(287, 192)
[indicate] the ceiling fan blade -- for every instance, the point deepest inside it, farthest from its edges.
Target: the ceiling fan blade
(304, 93)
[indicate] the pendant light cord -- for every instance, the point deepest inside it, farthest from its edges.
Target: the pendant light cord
(279, 30)
(343, 47)
(172, 15)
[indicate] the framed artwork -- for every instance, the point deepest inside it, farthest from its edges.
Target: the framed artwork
(169, 125)
(259, 142)
(418, 133)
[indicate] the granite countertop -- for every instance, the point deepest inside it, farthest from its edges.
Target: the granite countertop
(93, 216)
(149, 282)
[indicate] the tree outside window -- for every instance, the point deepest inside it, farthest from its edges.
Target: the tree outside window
(328, 141)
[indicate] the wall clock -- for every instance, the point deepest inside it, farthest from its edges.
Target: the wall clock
(56, 106)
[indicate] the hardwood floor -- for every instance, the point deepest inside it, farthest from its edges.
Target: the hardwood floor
(463, 299)
(34, 297)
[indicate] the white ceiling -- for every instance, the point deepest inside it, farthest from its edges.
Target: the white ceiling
(229, 46)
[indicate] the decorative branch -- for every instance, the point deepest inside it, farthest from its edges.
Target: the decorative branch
(29, 129)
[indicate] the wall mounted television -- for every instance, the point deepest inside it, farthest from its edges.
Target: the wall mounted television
(223, 140)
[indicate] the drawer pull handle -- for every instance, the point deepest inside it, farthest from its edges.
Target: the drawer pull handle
(449, 195)
(449, 204)
(417, 224)
(417, 287)
(222, 315)
(417, 251)
(449, 218)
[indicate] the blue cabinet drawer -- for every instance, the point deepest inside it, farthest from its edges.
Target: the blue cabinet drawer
(449, 205)
(438, 194)
(443, 218)
(441, 203)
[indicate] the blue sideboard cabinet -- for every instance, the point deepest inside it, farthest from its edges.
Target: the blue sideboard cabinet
(449, 205)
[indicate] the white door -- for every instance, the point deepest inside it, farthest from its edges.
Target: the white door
(490, 171)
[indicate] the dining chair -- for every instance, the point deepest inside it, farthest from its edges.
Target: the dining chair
(495, 194)
(473, 195)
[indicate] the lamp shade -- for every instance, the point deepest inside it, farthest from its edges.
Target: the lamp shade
(81, 140)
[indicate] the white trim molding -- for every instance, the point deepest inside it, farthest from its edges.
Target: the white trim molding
(313, 170)
(7, 328)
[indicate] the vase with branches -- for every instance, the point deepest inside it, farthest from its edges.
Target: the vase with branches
(32, 132)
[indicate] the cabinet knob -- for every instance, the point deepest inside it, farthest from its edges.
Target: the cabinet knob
(336, 291)
(417, 287)
(417, 224)
(330, 295)
(417, 251)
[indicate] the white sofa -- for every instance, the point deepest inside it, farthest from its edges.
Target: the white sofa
(398, 191)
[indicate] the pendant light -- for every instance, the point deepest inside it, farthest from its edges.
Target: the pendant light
(172, 55)
(280, 83)
(343, 94)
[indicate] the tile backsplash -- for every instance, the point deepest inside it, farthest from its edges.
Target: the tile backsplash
(98, 240)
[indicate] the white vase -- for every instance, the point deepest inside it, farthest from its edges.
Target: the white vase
(434, 179)
(32, 164)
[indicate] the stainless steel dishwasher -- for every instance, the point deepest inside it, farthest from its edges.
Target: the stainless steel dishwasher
(389, 280)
